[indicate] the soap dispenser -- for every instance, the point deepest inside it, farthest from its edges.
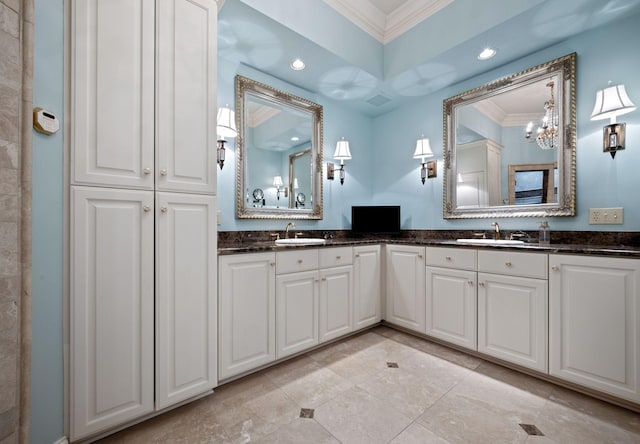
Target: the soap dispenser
(544, 233)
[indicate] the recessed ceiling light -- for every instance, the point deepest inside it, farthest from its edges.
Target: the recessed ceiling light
(295, 139)
(297, 65)
(486, 53)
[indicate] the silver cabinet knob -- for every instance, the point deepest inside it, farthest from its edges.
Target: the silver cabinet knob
(555, 268)
(163, 209)
(147, 171)
(481, 284)
(338, 257)
(163, 172)
(299, 261)
(357, 254)
(273, 264)
(448, 258)
(146, 208)
(470, 282)
(508, 264)
(324, 279)
(419, 256)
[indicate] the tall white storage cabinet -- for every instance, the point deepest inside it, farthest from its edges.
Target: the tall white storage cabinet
(143, 181)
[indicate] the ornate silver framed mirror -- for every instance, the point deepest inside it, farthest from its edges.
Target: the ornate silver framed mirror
(279, 151)
(510, 146)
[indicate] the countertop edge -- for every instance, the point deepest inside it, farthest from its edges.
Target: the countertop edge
(600, 250)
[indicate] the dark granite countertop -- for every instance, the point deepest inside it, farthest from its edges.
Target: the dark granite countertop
(254, 246)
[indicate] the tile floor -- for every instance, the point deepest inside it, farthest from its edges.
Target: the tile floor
(351, 392)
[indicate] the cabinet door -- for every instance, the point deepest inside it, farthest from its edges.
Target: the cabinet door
(186, 96)
(406, 287)
(336, 288)
(186, 307)
(247, 304)
(112, 100)
(296, 312)
(366, 291)
(512, 319)
(111, 308)
(451, 306)
(595, 323)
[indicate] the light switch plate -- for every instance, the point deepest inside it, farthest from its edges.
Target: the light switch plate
(606, 216)
(218, 217)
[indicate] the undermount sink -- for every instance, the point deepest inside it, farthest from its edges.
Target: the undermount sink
(491, 241)
(300, 241)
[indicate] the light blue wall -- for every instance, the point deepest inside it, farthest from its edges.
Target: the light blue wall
(47, 398)
(338, 122)
(601, 181)
(382, 171)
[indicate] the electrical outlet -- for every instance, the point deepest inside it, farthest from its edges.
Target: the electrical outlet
(606, 216)
(218, 217)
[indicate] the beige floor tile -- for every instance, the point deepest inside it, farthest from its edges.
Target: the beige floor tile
(567, 425)
(608, 413)
(456, 398)
(358, 417)
(418, 434)
(315, 388)
(405, 391)
(516, 379)
(299, 431)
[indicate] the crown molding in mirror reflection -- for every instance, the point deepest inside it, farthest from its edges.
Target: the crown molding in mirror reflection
(482, 193)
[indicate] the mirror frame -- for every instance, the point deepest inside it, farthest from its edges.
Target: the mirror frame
(565, 67)
(246, 88)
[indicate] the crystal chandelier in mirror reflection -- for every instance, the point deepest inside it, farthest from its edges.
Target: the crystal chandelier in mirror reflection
(547, 133)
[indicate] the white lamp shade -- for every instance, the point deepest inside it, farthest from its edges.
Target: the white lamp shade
(423, 149)
(342, 150)
(226, 123)
(277, 181)
(611, 102)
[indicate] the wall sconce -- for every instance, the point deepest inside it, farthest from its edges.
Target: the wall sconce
(423, 150)
(342, 153)
(611, 102)
(226, 127)
(278, 183)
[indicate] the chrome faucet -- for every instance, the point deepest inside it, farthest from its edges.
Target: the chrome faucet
(286, 230)
(496, 235)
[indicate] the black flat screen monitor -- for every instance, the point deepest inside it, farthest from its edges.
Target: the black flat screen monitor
(375, 220)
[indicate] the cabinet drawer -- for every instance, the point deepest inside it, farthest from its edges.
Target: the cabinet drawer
(513, 263)
(334, 257)
(292, 261)
(452, 258)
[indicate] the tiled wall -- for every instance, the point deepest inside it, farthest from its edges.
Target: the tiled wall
(16, 61)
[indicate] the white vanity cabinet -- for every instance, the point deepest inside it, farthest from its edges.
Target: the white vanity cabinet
(336, 293)
(247, 312)
(367, 282)
(513, 307)
(296, 301)
(406, 286)
(451, 295)
(594, 334)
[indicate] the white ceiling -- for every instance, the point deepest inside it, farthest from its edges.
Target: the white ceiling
(410, 48)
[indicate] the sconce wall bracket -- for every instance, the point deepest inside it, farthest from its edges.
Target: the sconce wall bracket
(613, 138)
